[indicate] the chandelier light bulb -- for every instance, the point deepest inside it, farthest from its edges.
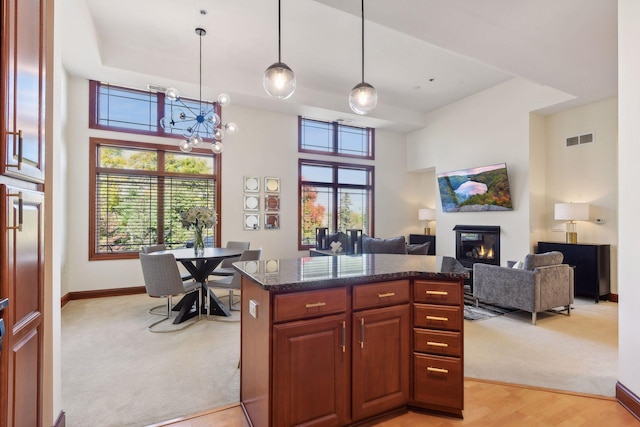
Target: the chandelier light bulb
(185, 146)
(231, 128)
(217, 147)
(224, 99)
(218, 134)
(363, 98)
(195, 140)
(172, 94)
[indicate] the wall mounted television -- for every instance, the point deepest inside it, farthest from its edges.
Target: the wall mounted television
(478, 189)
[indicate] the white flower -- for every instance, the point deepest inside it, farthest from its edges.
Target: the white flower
(199, 216)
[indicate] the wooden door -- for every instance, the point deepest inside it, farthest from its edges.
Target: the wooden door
(380, 369)
(21, 280)
(23, 100)
(311, 372)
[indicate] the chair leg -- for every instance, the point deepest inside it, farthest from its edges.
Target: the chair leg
(569, 310)
(169, 315)
(533, 318)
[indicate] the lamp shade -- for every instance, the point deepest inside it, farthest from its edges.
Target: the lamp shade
(426, 214)
(571, 211)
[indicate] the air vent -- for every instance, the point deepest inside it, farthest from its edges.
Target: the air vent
(580, 139)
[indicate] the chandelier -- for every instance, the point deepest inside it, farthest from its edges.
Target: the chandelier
(197, 120)
(363, 97)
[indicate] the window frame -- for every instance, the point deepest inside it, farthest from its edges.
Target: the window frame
(94, 103)
(335, 186)
(94, 170)
(335, 131)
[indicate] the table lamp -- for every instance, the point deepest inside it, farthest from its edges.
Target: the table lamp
(427, 214)
(571, 212)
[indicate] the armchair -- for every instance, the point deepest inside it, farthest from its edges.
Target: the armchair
(542, 283)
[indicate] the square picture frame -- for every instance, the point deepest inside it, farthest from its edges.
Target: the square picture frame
(272, 203)
(251, 221)
(271, 221)
(251, 202)
(251, 184)
(271, 184)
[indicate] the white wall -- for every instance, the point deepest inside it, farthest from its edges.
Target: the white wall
(585, 173)
(487, 128)
(265, 146)
(629, 203)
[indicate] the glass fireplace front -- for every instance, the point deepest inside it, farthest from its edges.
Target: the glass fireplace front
(477, 243)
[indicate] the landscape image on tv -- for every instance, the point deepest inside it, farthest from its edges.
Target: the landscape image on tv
(477, 189)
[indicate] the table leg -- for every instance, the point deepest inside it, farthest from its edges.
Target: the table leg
(185, 308)
(216, 306)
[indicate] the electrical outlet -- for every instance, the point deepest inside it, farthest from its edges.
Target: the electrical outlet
(599, 220)
(253, 308)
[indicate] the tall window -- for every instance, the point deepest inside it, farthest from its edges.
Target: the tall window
(334, 195)
(138, 111)
(332, 138)
(138, 191)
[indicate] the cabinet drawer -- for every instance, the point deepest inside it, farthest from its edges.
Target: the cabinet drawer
(380, 294)
(434, 292)
(437, 342)
(301, 305)
(438, 380)
(437, 317)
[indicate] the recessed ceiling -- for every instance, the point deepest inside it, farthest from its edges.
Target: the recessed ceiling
(420, 55)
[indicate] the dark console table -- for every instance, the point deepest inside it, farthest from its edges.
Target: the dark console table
(415, 239)
(591, 266)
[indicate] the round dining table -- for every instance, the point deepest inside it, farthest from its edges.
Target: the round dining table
(200, 266)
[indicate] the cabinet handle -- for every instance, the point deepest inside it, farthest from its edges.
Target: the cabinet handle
(445, 293)
(439, 370)
(437, 344)
(344, 337)
(20, 211)
(361, 333)
(388, 294)
(19, 164)
(316, 304)
(444, 319)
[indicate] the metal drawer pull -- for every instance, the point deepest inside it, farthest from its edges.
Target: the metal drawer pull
(344, 337)
(437, 293)
(444, 319)
(19, 164)
(439, 370)
(437, 344)
(361, 333)
(316, 304)
(20, 211)
(388, 294)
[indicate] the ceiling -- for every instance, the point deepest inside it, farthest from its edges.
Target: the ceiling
(419, 54)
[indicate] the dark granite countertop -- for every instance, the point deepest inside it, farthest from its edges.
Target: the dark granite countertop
(331, 271)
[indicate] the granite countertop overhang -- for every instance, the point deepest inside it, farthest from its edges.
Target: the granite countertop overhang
(330, 271)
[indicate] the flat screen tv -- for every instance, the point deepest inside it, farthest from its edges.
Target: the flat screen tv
(483, 188)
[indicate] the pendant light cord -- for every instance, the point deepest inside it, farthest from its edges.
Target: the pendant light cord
(200, 99)
(362, 40)
(279, 18)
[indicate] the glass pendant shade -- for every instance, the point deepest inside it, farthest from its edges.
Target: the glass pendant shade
(279, 81)
(231, 128)
(172, 94)
(224, 99)
(363, 98)
(185, 146)
(217, 147)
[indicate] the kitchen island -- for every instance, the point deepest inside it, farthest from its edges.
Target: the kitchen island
(335, 341)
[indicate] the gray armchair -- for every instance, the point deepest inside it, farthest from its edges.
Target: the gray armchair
(541, 284)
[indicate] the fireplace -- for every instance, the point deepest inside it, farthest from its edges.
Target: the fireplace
(477, 243)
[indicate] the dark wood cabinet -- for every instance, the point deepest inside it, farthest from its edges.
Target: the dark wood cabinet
(591, 264)
(415, 239)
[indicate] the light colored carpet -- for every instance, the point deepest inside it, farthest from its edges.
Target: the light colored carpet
(116, 373)
(577, 353)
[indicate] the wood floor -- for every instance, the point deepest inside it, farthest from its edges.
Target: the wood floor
(486, 404)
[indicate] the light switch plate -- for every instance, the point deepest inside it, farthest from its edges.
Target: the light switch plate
(253, 308)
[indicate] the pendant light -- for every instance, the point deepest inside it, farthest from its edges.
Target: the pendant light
(278, 80)
(363, 97)
(196, 121)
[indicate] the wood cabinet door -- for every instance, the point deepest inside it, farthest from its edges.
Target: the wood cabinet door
(311, 372)
(23, 90)
(381, 355)
(21, 280)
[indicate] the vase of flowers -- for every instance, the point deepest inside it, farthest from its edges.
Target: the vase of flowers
(198, 218)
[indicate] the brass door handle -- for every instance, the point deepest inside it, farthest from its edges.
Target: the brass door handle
(437, 293)
(443, 319)
(20, 211)
(437, 344)
(344, 336)
(388, 294)
(438, 370)
(19, 164)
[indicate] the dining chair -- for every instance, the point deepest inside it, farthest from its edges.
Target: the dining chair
(162, 247)
(162, 280)
(225, 268)
(233, 282)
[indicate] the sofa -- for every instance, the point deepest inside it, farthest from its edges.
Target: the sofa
(392, 245)
(542, 282)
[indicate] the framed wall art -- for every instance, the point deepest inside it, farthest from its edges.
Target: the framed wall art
(271, 221)
(251, 184)
(271, 203)
(271, 185)
(251, 202)
(251, 221)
